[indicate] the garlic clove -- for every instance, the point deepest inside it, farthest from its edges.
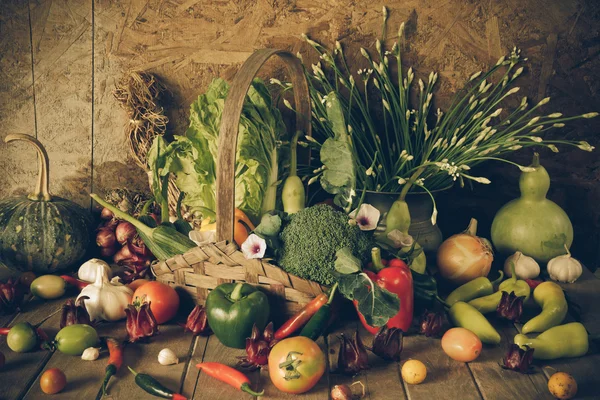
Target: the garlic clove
(564, 268)
(525, 267)
(167, 357)
(87, 271)
(90, 354)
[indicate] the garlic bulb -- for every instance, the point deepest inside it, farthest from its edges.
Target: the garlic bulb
(90, 354)
(167, 357)
(525, 267)
(106, 300)
(564, 268)
(87, 271)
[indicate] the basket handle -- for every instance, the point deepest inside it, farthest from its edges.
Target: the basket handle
(228, 134)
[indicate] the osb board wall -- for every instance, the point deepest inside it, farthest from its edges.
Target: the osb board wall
(60, 60)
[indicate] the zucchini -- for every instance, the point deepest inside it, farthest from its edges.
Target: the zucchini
(163, 241)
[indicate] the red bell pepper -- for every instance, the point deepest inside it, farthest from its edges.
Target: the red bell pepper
(394, 276)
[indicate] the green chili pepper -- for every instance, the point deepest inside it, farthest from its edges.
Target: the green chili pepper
(478, 287)
(569, 340)
(466, 316)
(424, 290)
(488, 304)
(319, 322)
(551, 298)
(154, 387)
(181, 224)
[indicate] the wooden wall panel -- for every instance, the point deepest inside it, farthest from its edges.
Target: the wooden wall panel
(112, 166)
(187, 43)
(18, 166)
(62, 56)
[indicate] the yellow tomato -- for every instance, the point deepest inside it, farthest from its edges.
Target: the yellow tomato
(414, 372)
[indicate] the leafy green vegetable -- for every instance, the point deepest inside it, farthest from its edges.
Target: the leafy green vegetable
(339, 176)
(345, 262)
(376, 304)
(310, 239)
(193, 157)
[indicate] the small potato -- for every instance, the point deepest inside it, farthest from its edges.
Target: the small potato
(562, 385)
(414, 372)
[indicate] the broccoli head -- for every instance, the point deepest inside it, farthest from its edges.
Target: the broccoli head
(310, 239)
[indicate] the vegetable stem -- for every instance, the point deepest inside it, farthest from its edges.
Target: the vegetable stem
(41, 192)
(145, 229)
(376, 259)
(236, 294)
(472, 228)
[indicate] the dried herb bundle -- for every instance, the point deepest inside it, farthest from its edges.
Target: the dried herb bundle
(140, 94)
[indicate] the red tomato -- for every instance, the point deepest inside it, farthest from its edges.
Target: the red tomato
(461, 344)
(137, 283)
(296, 364)
(164, 300)
(53, 381)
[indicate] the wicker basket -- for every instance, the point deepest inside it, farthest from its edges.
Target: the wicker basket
(203, 268)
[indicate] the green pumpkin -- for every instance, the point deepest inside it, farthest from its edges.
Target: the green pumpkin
(39, 232)
(532, 224)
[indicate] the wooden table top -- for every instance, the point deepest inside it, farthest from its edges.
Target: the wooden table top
(446, 379)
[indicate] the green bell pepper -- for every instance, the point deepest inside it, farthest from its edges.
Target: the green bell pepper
(232, 309)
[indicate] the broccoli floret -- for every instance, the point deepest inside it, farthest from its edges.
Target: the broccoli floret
(311, 238)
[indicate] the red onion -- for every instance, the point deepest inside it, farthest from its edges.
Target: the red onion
(139, 247)
(106, 214)
(106, 252)
(105, 238)
(126, 252)
(125, 231)
(111, 224)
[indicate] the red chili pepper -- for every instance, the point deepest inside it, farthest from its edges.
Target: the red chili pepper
(4, 331)
(297, 321)
(396, 278)
(229, 375)
(115, 360)
(74, 282)
(533, 283)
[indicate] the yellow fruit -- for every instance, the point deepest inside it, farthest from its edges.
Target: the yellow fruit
(414, 372)
(562, 385)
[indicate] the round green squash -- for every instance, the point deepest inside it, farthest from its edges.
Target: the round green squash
(41, 232)
(532, 224)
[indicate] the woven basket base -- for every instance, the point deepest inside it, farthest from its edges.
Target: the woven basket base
(203, 268)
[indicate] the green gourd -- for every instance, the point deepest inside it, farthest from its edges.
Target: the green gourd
(41, 232)
(532, 224)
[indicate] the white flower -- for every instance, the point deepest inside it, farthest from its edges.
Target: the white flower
(202, 237)
(545, 100)
(536, 139)
(585, 146)
(590, 115)
(559, 125)
(287, 104)
(555, 115)
(367, 217)
(400, 239)
(254, 247)
(474, 76)
(401, 181)
(526, 169)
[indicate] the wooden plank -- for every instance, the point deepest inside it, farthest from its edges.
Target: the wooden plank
(383, 377)
(319, 392)
(348, 328)
(495, 382)
(62, 57)
(585, 292)
(208, 388)
(85, 377)
(17, 113)
(446, 378)
(112, 166)
(21, 369)
(190, 378)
